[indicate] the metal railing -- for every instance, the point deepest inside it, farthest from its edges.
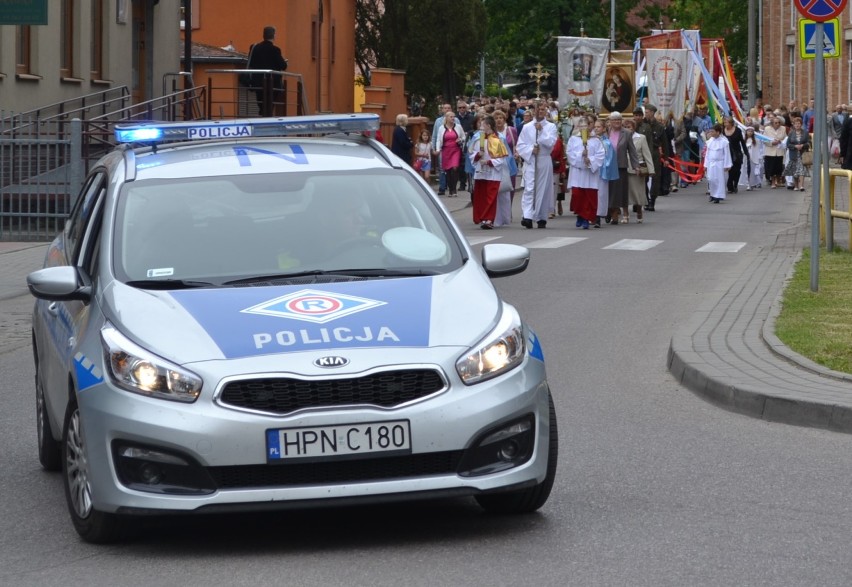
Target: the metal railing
(45, 154)
(80, 107)
(39, 166)
(270, 93)
(845, 200)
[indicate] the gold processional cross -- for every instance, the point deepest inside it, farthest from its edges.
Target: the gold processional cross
(538, 75)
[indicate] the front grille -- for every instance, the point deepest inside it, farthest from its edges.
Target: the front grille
(330, 472)
(283, 395)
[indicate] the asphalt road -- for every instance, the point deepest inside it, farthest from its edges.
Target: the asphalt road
(655, 486)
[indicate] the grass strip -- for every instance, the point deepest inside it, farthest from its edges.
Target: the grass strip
(818, 325)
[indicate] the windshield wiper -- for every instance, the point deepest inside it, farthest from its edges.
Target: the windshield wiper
(380, 272)
(333, 273)
(169, 284)
(278, 276)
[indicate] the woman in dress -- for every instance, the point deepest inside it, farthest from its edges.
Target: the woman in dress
(717, 162)
(504, 198)
(449, 141)
(488, 155)
(773, 154)
(638, 171)
(607, 206)
(585, 155)
(736, 143)
(798, 141)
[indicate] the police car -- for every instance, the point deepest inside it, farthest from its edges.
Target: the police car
(273, 313)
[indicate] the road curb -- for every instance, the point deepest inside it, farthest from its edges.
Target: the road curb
(743, 398)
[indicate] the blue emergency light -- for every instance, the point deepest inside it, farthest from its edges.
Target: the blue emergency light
(320, 124)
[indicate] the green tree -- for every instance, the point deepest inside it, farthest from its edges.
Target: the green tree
(521, 36)
(720, 19)
(436, 42)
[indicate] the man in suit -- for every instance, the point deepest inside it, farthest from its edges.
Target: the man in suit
(265, 55)
(622, 143)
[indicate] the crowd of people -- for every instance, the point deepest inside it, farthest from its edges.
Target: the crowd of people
(611, 169)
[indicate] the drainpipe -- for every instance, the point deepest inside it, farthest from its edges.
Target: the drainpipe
(318, 106)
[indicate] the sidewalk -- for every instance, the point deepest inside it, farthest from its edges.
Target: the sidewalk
(727, 352)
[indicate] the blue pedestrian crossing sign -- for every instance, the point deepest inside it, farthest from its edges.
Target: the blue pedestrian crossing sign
(830, 41)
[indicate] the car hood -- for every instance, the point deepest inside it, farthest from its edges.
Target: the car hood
(185, 326)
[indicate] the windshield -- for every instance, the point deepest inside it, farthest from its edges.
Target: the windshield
(221, 229)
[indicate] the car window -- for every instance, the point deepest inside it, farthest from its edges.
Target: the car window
(80, 215)
(229, 227)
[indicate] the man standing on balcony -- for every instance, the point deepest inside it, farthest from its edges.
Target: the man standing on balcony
(265, 55)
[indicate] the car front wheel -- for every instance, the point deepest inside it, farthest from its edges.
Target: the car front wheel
(91, 525)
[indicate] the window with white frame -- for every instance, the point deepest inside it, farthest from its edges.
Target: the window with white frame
(791, 56)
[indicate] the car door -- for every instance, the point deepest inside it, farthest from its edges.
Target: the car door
(78, 245)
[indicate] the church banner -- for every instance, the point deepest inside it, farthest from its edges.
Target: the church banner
(619, 93)
(667, 80)
(582, 69)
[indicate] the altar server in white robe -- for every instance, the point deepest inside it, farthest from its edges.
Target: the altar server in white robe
(586, 155)
(717, 163)
(534, 146)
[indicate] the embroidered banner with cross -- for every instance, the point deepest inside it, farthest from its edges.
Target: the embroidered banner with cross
(667, 80)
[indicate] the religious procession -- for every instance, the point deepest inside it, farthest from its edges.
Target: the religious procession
(627, 128)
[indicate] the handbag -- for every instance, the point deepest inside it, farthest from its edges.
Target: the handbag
(807, 158)
(418, 165)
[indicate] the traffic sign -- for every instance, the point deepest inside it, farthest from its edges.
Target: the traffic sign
(819, 10)
(830, 38)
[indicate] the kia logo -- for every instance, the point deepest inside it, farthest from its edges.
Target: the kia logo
(331, 362)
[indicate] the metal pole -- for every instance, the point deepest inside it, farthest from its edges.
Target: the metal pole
(750, 57)
(819, 134)
(824, 172)
(612, 25)
(187, 43)
(482, 74)
(78, 170)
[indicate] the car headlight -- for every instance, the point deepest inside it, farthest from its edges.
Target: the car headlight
(133, 368)
(502, 350)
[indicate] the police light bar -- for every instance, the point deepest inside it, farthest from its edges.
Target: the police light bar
(320, 124)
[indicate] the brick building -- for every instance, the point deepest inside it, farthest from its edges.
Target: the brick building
(785, 75)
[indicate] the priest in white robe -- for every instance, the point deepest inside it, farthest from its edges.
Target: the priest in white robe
(535, 143)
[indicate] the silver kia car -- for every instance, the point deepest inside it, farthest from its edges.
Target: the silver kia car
(278, 313)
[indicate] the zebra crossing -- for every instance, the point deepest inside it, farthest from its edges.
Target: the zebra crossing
(625, 244)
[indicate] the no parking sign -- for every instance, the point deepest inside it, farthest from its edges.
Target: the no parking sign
(819, 10)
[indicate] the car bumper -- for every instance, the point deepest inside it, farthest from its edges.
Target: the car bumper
(228, 448)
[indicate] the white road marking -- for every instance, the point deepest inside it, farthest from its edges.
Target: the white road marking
(720, 248)
(633, 244)
(554, 242)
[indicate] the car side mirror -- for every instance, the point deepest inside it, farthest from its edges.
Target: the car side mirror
(61, 284)
(502, 260)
